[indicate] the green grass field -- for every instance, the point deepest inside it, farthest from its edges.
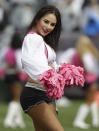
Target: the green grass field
(66, 116)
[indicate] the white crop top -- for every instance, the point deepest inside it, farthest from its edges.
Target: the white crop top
(34, 59)
(91, 63)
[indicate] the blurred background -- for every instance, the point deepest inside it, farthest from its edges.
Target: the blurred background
(78, 45)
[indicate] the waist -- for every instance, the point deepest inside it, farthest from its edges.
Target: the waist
(34, 84)
(33, 81)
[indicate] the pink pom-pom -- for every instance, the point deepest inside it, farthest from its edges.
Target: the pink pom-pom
(73, 75)
(53, 82)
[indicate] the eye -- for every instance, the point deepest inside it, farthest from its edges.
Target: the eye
(53, 24)
(46, 21)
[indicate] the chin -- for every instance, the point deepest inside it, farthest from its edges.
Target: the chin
(43, 34)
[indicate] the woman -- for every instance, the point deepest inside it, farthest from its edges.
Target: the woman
(13, 116)
(46, 79)
(87, 55)
(38, 56)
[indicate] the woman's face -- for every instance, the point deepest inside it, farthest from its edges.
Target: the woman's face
(46, 24)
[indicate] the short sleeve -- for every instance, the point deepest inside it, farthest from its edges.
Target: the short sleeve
(34, 60)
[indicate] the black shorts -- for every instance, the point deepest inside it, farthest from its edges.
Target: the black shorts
(10, 79)
(31, 96)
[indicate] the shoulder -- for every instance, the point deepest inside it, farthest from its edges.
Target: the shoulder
(33, 37)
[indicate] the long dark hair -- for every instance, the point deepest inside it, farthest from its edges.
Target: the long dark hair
(51, 39)
(16, 41)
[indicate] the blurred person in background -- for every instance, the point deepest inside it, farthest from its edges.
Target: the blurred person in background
(12, 80)
(87, 55)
